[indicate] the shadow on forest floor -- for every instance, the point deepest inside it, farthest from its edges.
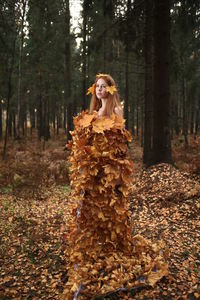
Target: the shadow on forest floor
(164, 203)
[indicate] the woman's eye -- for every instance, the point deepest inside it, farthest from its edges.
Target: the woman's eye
(100, 86)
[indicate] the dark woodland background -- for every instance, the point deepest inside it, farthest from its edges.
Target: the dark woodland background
(151, 48)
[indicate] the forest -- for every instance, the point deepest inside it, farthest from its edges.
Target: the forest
(47, 63)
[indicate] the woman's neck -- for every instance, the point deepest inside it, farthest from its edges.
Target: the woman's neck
(103, 102)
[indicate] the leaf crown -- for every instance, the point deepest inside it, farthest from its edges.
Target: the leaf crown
(110, 89)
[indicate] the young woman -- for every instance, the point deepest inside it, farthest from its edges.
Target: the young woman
(105, 97)
(103, 254)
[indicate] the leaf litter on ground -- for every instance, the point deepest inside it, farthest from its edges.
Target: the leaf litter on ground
(164, 203)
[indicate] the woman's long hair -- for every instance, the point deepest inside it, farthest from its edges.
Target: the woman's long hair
(112, 102)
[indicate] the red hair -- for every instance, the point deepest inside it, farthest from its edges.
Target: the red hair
(113, 101)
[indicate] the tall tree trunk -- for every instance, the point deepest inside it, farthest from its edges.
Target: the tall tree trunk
(132, 117)
(46, 111)
(105, 50)
(10, 124)
(148, 93)
(58, 121)
(185, 119)
(176, 108)
(40, 110)
(1, 121)
(7, 116)
(197, 119)
(21, 41)
(18, 116)
(68, 70)
(142, 123)
(14, 124)
(10, 71)
(126, 104)
(32, 118)
(23, 119)
(192, 116)
(84, 57)
(54, 118)
(137, 116)
(127, 49)
(161, 126)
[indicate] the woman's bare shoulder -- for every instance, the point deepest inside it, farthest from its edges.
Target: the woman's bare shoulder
(118, 110)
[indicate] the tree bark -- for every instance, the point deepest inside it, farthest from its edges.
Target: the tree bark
(68, 70)
(10, 124)
(14, 124)
(1, 121)
(46, 113)
(40, 124)
(161, 126)
(10, 72)
(148, 93)
(126, 104)
(84, 58)
(21, 41)
(192, 117)
(127, 50)
(185, 118)
(197, 119)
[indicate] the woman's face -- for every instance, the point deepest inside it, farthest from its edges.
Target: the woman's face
(101, 92)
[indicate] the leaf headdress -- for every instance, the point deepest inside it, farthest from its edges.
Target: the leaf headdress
(110, 89)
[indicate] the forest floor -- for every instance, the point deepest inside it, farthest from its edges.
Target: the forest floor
(35, 206)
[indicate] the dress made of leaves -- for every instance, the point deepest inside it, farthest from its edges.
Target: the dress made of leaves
(104, 256)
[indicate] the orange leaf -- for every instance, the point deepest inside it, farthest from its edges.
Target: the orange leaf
(102, 124)
(86, 120)
(91, 89)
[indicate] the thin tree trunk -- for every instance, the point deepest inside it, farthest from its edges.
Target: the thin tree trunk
(127, 50)
(197, 119)
(46, 137)
(40, 111)
(18, 116)
(176, 113)
(54, 120)
(126, 104)
(21, 41)
(84, 58)
(185, 121)
(57, 122)
(8, 99)
(148, 94)
(14, 124)
(1, 121)
(23, 119)
(32, 119)
(132, 117)
(137, 117)
(192, 117)
(142, 124)
(46, 112)
(68, 71)
(105, 50)
(48, 119)
(10, 124)
(7, 116)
